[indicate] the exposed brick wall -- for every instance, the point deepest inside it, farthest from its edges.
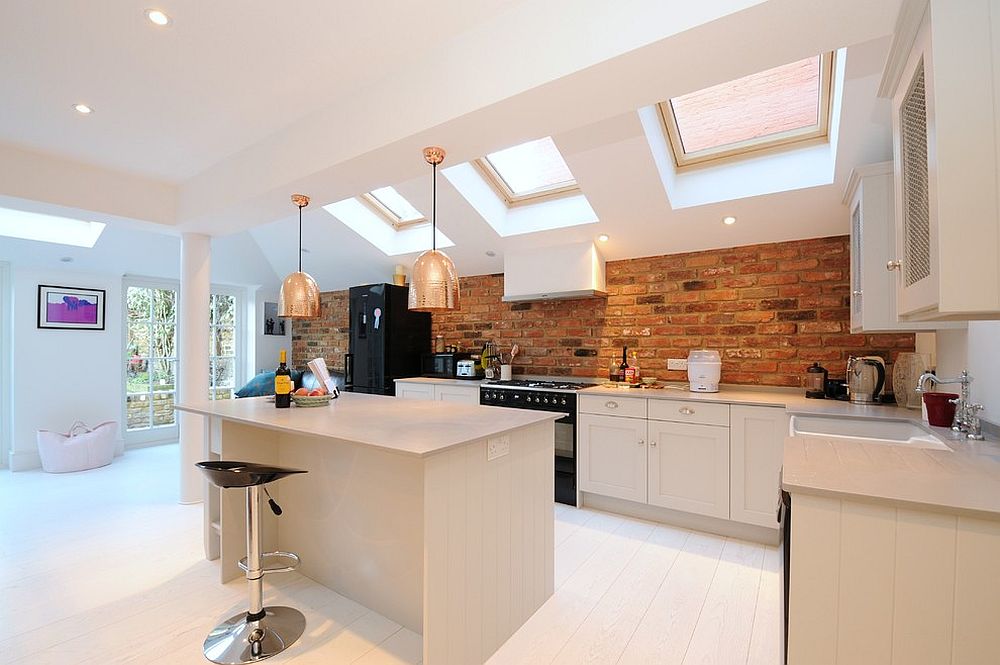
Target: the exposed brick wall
(327, 336)
(770, 310)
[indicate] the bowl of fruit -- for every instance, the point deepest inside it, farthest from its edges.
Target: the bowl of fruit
(303, 397)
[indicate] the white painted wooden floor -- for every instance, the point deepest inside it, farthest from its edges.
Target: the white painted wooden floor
(105, 567)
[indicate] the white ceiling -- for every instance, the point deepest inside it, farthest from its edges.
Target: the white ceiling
(224, 115)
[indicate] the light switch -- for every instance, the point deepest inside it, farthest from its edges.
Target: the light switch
(497, 447)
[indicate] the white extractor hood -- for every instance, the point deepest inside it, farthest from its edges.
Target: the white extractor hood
(554, 273)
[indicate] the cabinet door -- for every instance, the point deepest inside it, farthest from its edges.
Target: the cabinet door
(689, 467)
(915, 181)
(461, 394)
(414, 390)
(612, 456)
(758, 441)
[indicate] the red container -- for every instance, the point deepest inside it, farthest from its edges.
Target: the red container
(940, 412)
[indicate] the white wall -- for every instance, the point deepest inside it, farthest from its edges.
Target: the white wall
(984, 366)
(266, 347)
(62, 375)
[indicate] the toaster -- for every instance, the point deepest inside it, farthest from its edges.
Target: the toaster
(466, 368)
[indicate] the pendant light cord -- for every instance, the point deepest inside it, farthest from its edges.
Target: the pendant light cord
(300, 238)
(434, 201)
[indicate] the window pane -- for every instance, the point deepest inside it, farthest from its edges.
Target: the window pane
(225, 338)
(165, 341)
(138, 339)
(163, 409)
(529, 167)
(164, 372)
(164, 304)
(396, 204)
(223, 372)
(225, 310)
(137, 375)
(137, 411)
(138, 301)
(770, 102)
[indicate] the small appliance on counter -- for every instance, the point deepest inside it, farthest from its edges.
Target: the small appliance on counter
(445, 365)
(704, 371)
(865, 379)
(816, 377)
(466, 369)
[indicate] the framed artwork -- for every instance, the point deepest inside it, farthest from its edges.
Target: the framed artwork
(70, 308)
(273, 325)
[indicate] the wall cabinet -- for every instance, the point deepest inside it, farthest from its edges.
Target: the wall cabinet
(943, 76)
(758, 444)
(869, 197)
(441, 392)
(689, 468)
(612, 456)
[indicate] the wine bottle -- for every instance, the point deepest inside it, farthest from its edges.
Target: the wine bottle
(282, 384)
(624, 366)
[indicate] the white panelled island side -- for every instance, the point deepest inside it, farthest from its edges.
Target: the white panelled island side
(436, 515)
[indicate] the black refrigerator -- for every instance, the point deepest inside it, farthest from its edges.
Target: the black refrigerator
(387, 339)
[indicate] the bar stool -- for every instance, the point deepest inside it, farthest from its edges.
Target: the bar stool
(262, 631)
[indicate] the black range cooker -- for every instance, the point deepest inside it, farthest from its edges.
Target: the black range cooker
(545, 395)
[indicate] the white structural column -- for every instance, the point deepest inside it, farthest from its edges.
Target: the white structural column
(192, 358)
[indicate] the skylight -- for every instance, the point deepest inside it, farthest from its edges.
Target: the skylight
(528, 171)
(389, 203)
(371, 226)
(49, 228)
(776, 107)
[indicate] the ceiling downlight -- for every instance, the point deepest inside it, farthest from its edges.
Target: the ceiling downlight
(158, 17)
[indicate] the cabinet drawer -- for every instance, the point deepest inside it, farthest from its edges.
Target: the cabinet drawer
(612, 405)
(684, 411)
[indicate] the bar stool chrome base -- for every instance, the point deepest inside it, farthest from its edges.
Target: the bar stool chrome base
(237, 641)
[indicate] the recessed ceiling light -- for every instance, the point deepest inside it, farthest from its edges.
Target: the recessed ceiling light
(157, 17)
(729, 221)
(604, 237)
(83, 109)
(490, 253)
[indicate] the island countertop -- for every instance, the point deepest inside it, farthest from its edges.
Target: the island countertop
(413, 427)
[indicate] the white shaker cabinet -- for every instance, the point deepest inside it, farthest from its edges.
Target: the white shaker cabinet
(943, 76)
(407, 390)
(758, 442)
(461, 394)
(612, 456)
(689, 467)
(869, 197)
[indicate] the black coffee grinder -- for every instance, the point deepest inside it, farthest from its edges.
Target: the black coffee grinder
(816, 382)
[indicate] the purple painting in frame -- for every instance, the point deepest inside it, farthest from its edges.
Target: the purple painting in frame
(70, 308)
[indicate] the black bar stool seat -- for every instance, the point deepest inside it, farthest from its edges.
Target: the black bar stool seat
(261, 632)
(229, 474)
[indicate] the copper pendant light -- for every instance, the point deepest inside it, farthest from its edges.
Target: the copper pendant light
(299, 297)
(434, 280)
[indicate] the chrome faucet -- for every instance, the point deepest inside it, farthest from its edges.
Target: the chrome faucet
(966, 418)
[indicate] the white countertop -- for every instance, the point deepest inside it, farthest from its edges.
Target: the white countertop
(965, 479)
(414, 427)
(474, 383)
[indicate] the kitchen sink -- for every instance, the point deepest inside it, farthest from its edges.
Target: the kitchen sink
(891, 432)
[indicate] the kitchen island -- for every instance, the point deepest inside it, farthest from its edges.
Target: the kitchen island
(436, 515)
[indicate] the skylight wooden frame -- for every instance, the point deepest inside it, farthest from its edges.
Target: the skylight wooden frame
(500, 186)
(812, 134)
(391, 218)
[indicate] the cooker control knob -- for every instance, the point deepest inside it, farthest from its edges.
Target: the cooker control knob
(502, 397)
(563, 402)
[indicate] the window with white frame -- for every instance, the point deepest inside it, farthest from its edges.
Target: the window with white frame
(393, 207)
(774, 108)
(223, 345)
(150, 357)
(528, 172)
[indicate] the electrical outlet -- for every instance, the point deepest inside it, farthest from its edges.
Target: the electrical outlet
(680, 364)
(497, 447)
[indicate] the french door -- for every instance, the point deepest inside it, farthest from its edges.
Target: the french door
(150, 361)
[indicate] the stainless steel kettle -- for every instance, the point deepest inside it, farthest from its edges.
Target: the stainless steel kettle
(865, 379)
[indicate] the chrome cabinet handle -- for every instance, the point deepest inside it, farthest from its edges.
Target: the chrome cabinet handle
(687, 411)
(641, 442)
(611, 404)
(856, 293)
(652, 444)
(893, 265)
